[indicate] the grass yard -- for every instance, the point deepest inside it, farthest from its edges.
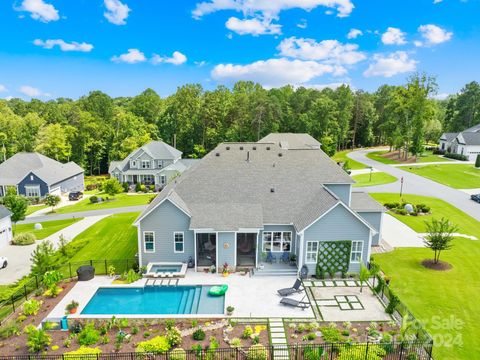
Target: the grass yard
(427, 156)
(378, 178)
(113, 237)
(120, 200)
(445, 300)
(34, 208)
(49, 227)
(458, 176)
(341, 156)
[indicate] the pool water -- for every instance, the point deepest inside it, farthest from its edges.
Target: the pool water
(166, 268)
(157, 300)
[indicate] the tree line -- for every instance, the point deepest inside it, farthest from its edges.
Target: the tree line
(96, 128)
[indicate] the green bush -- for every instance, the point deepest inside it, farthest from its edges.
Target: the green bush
(158, 344)
(31, 307)
(9, 329)
(257, 352)
(89, 335)
(93, 199)
(138, 187)
(477, 161)
(178, 354)
(125, 186)
(361, 352)
(247, 332)
(456, 156)
(198, 335)
(27, 238)
(313, 353)
(392, 305)
(169, 323)
(235, 343)
(412, 356)
(174, 337)
(83, 350)
(330, 334)
(37, 339)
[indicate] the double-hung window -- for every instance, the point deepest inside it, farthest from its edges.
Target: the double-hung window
(178, 242)
(32, 190)
(277, 241)
(356, 253)
(146, 164)
(149, 241)
(312, 252)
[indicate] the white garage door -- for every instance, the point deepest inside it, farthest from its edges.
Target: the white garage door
(3, 238)
(56, 191)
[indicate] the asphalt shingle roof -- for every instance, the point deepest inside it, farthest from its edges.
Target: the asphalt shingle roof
(4, 212)
(292, 141)
(15, 168)
(362, 202)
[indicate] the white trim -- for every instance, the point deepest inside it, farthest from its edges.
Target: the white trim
(248, 230)
(369, 248)
(300, 253)
(235, 251)
(143, 239)
(175, 243)
(157, 205)
(306, 251)
(31, 187)
(207, 231)
(139, 245)
(281, 240)
(216, 251)
(356, 251)
(256, 250)
(195, 249)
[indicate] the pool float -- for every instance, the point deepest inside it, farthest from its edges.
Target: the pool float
(218, 290)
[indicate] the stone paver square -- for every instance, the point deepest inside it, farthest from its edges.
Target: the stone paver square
(351, 283)
(329, 283)
(327, 302)
(344, 306)
(341, 298)
(352, 298)
(356, 306)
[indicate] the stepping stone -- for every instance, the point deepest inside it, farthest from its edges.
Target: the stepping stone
(351, 283)
(307, 283)
(327, 302)
(344, 306)
(278, 335)
(278, 341)
(329, 283)
(277, 331)
(357, 306)
(352, 298)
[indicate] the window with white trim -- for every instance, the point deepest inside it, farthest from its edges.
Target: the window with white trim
(277, 241)
(133, 164)
(312, 252)
(149, 241)
(178, 242)
(163, 179)
(32, 190)
(160, 164)
(146, 164)
(356, 253)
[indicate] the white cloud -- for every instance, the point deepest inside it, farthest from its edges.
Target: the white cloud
(441, 96)
(117, 12)
(64, 46)
(269, 8)
(8, 98)
(255, 26)
(433, 35)
(3, 88)
(332, 86)
(30, 91)
(131, 57)
(40, 10)
(331, 51)
(303, 24)
(272, 72)
(393, 36)
(200, 63)
(390, 65)
(177, 59)
(437, 1)
(354, 33)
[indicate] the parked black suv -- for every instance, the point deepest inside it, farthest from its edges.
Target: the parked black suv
(476, 197)
(76, 195)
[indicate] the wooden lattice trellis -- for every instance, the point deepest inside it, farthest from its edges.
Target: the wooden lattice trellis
(334, 256)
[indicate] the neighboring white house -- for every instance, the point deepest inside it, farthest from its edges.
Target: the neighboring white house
(5, 226)
(155, 163)
(464, 143)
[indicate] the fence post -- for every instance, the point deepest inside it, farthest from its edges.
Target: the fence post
(36, 281)
(25, 292)
(13, 303)
(366, 352)
(401, 351)
(296, 351)
(70, 269)
(106, 267)
(127, 264)
(91, 262)
(331, 351)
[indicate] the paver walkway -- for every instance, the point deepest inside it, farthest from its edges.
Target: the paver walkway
(278, 338)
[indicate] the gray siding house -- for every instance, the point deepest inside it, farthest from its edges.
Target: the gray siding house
(463, 143)
(259, 205)
(35, 175)
(155, 163)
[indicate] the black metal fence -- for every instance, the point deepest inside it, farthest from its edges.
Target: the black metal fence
(68, 270)
(330, 351)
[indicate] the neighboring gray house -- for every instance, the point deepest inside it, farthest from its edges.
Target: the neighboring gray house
(5, 226)
(34, 174)
(155, 163)
(464, 143)
(246, 203)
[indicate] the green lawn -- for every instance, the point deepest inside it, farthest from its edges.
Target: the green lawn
(458, 176)
(113, 237)
(378, 178)
(33, 208)
(440, 298)
(120, 200)
(341, 156)
(49, 227)
(427, 156)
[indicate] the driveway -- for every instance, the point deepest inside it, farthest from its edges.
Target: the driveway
(396, 234)
(415, 184)
(19, 256)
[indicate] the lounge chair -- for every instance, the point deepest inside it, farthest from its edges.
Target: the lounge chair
(297, 287)
(271, 258)
(295, 303)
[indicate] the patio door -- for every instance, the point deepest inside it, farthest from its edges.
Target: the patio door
(246, 249)
(206, 249)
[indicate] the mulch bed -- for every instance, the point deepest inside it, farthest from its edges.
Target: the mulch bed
(440, 266)
(394, 156)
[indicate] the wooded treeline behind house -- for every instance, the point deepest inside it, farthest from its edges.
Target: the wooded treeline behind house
(96, 128)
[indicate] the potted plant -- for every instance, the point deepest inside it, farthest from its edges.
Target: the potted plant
(293, 259)
(72, 307)
(387, 280)
(230, 310)
(225, 270)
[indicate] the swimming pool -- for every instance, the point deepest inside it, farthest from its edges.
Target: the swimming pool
(155, 300)
(166, 268)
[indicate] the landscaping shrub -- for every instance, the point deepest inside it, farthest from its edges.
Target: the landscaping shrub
(247, 332)
(27, 238)
(158, 344)
(174, 337)
(169, 323)
(93, 199)
(83, 350)
(89, 335)
(257, 352)
(9, 329)
(394, 301)
(438, 152)
(76, 327)
(198, 335)
(313, 353)
(370, 352)
(31, 307)
(125, 186)
(37, 339)
(178, 354)
(138, 187)
(412, 356)
(477, 161)
(235, 343)
(456, 156)
(330, 334)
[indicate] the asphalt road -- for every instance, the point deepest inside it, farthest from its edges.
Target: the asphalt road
(415, 184)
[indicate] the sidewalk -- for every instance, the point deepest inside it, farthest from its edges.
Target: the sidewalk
(63, 202)
(19, 256)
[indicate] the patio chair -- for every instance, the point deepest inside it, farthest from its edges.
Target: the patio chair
(285, 257)
(295, 303)
(297, 287)
(271, 258)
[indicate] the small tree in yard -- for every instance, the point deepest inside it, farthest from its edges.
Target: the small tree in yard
(42, 257)
(363, 276)
(17, 206)
(52, 200)
(112, 187)
(477, 161)
(440, 235)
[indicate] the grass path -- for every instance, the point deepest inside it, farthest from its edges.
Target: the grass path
(445, 300)
(120, 200)
(458, 176)
(49, 227)
(377, 178)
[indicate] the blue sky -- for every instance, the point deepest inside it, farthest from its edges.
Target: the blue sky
(66, 48)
